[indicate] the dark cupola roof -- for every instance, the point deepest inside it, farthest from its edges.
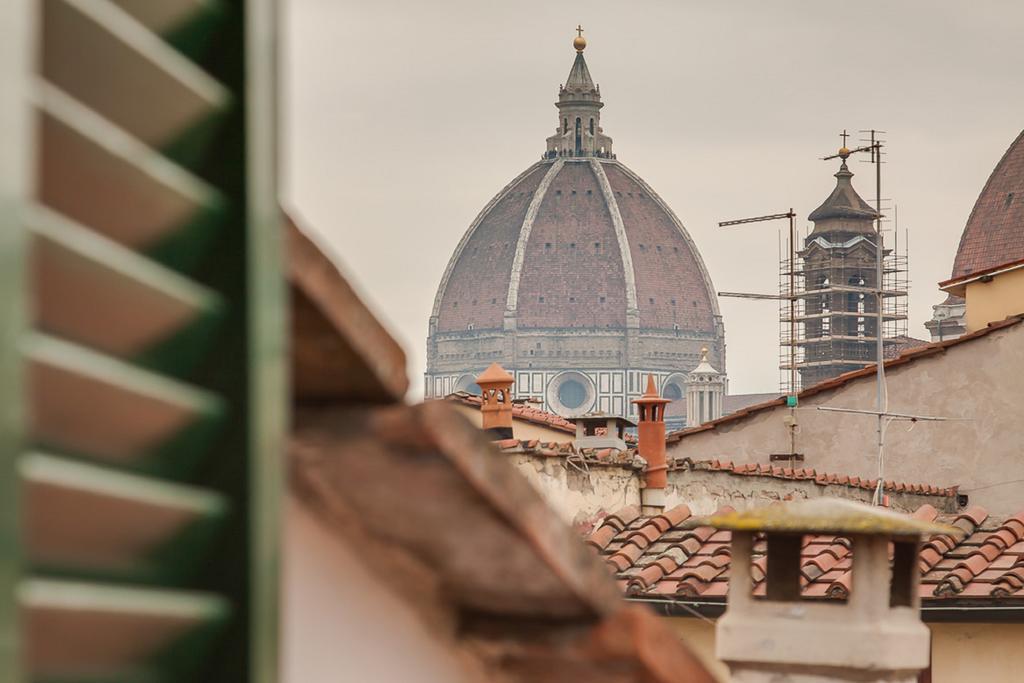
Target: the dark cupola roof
(844, 202)
(579, 79)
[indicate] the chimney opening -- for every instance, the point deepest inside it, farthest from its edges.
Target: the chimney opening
(782, 576)
(904, 566)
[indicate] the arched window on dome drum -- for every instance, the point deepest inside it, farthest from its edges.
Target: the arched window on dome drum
(591, 126)
(565, 126)
(579, 136)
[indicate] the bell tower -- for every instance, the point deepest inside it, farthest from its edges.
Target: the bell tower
(839, 261)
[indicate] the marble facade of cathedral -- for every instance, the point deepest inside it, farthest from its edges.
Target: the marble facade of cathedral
(577, 278)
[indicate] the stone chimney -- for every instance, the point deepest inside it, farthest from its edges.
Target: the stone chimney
(651, 447)
(601, 431)
(496, 410)
(875, 635)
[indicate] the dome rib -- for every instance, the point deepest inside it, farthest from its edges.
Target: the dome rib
(468, 235)
(512, 299)
(620, 235)
(690, 244)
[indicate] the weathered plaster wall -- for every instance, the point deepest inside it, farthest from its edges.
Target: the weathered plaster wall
(579, 494)
(976, 652)
(978, 381)
(699, 636)
(706, 491)
(340, 622)
(997, 299)
(960, 652)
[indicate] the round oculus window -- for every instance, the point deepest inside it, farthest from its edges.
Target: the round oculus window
(572, 394)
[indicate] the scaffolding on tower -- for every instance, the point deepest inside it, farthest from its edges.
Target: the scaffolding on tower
(832, 326)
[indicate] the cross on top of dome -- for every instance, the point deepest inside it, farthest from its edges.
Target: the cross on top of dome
(579, 42)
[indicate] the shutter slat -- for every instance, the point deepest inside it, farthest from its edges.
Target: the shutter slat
(163, 17)
(85, 518)
(101, 177)
(78, 629)
(92, 290)
(141, 155)
(105, 59)
(90, 404)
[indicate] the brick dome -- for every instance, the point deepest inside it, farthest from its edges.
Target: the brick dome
(576, 243)
(995, 230)
(576, 277)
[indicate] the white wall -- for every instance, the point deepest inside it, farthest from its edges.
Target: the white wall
(340, 623)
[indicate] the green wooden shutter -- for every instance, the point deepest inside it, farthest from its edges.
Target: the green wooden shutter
(142, 391)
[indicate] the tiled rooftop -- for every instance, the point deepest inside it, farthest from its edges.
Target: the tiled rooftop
(520, 411)
(823, 478)
(654, 557)
(901, 344)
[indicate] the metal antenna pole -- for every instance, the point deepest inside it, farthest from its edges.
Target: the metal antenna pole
(792, 334)
(876, 153)
(792, 304)
(875, 148)
(791, 399)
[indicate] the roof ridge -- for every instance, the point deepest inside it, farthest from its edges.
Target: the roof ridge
(524, 412)
(809, 473)
(868, 371)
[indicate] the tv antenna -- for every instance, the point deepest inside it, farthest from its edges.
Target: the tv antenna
(791, 395)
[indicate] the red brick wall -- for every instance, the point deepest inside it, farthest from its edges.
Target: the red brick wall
(572, 274)
(478, 285)
(664, 266)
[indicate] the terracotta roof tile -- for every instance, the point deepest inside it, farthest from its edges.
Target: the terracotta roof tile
(822, 478)
(656, 561)
(520, 411)
(978, 560)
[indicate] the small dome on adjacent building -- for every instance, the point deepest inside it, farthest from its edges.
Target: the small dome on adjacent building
(994, 233)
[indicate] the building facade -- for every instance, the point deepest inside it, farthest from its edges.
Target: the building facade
(577, 278)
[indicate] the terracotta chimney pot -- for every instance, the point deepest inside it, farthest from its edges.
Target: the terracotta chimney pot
(496, 410)
(651, 447)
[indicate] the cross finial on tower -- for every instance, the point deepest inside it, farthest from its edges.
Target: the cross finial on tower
(844, 151)
(579, 42)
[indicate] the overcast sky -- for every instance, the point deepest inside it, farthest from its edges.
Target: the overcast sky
(402, 119)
